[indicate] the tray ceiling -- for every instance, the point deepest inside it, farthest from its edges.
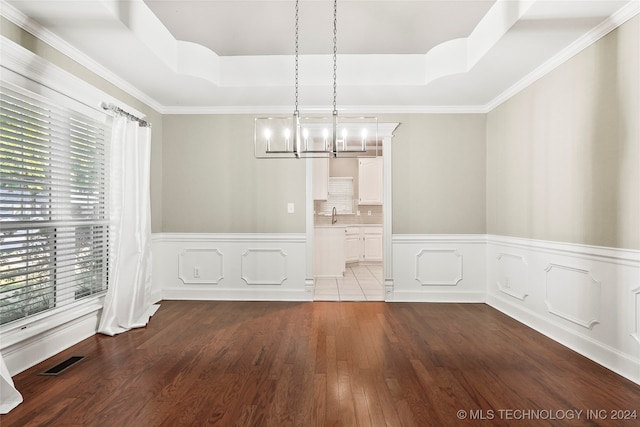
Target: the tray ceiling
(393, 56)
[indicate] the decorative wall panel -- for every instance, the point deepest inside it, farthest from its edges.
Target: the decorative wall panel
(512, 275)
(200, 266)
(439, 267)
(585, 297)
(227, 263)
(573, 294)
(264, 267)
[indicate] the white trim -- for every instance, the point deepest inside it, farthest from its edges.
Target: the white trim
(27, 64)
(309, 284)
(388, 129)
(456, 297)
(441, 238)
(589, 252)
(605, 27)
(37, 30)
(604, 327)
(229, 237)
(349, 109)
(226, 294)
(29, 341)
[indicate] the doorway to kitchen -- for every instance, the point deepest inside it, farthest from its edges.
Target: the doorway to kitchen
(349, 225)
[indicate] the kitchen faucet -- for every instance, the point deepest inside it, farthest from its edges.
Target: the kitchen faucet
(333, 216)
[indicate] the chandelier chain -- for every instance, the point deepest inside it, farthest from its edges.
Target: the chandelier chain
(296, 60)
(335, 54)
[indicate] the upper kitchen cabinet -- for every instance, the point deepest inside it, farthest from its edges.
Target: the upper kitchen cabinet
(320, 178)
(370, 181)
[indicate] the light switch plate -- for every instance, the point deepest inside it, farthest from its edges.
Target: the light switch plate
(290, 208)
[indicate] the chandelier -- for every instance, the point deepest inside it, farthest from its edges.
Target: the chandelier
(316, 136)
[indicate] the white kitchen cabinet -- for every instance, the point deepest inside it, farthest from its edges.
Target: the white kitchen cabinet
(328, 251)
(372, 243)
(352, 244)
(363, 244)
(320, 178)
(370, 181)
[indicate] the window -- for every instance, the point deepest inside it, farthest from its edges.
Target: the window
(340, 196)
(53, 204)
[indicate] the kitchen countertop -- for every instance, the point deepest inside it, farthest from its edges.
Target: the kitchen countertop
(337, 225)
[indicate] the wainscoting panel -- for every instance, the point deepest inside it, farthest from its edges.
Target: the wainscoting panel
(264, 267)
(584, 297)
(573, 294)
(200, 266)
(513, 278)
(438, 268)
(230, 266)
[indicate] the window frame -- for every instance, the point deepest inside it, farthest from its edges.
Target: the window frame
(55, 213)
(77, 320)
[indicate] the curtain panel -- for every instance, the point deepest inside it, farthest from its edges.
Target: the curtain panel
(127, 302)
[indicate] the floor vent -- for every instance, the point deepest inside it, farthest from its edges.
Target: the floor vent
(63, 366)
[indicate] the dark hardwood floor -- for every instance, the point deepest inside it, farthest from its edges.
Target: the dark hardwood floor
(325, 364)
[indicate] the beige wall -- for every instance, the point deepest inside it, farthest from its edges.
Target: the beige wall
(563, 156)
(28, 41)
(438, 164)
(214, 184)
(559, 161)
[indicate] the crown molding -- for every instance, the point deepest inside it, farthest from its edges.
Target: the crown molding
(611, 23)
(351, 109)
(29, 25)
(21, 63)
(614, 21)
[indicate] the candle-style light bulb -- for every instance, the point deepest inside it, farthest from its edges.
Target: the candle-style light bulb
(267, 136)
(287, 135)
(364, 139)
(344, 140)
(305, 135)
(325, 135)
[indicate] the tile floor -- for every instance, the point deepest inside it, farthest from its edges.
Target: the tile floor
(360, 283)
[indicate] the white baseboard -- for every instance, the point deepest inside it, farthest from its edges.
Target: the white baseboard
(27, 343)
(444, 297)
(226, 294)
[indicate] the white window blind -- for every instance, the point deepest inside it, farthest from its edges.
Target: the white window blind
(340, 196)
(53, 204)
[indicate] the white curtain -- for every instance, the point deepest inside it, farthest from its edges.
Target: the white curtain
(127, 304)
(9, 396)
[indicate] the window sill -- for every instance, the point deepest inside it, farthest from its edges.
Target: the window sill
(25, 329)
